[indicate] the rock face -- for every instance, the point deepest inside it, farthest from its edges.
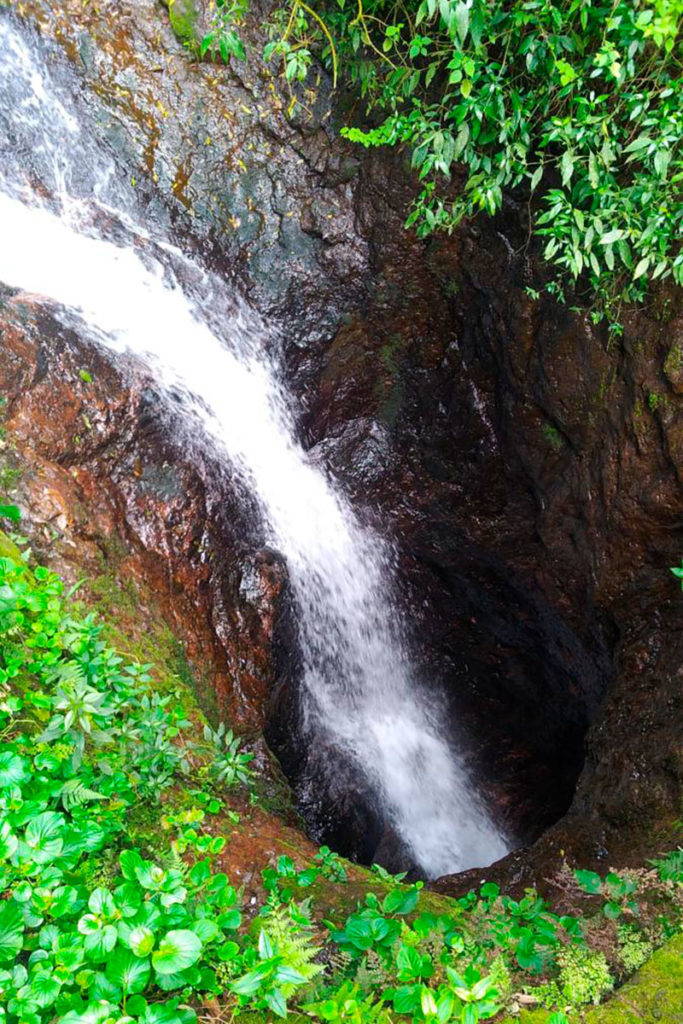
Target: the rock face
(528, 467)
(103, 487)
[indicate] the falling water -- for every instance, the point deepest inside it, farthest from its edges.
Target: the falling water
(358, 683)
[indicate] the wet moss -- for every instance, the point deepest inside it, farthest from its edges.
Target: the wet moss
(184, 16)
(390, 389)
(654, 995)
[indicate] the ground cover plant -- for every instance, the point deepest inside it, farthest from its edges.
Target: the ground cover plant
(94, 930)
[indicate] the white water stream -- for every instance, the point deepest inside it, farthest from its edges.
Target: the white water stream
(358, 681)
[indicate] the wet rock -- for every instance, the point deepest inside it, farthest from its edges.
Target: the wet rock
(108, 487)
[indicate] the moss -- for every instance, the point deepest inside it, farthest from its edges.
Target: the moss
(390, 391)
(653, 996)
(553, 436)
(273, 793)
(117, 601)
(673, 365)
(8, 549)
(183, 16)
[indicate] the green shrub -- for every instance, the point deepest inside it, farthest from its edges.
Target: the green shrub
(634, 948)
(584, 975)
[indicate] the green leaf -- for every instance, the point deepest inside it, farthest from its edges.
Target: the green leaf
(141, 941)
(589, 881)
(567, 166)
(99, 944)
(10, 512)
(462, 20)
(177, 950)
(206, 929)
(127, 971)
(11, 931)
(611, 910)
(611, 237)
(45, 988)
(265, 946)
(250, 982)
(277, 1003)
(400, 902)
(43, 836)
(130, 861)
(102, 902)
(536, 177)
(12, 769)
(74, 793)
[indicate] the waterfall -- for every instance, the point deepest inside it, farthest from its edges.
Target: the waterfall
(70, 233)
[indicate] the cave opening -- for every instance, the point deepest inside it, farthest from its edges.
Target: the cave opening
(522, 687)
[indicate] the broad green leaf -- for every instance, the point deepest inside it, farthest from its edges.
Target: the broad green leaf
(12, 769)
(43, 836)
(206, 929)
(462, 20)
(45, 988)
(102, 902)
(127, 971)
(177, 950)
(141, 941)
(130, 861)
(99, 944)
(611, 237)
(11, 931)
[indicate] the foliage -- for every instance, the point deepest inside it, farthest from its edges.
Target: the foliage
(670, 866)
(230, 764)
(619, 890)
(678, 572)
(576, 107)
(634, 949)
(92, 930)
(584, 975)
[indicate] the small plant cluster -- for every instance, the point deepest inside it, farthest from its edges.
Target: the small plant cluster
(576, 107)
(94, 931)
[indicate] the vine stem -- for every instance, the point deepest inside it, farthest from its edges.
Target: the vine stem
(333, 49)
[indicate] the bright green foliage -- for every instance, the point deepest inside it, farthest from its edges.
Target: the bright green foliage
(670, 867)
(92, 931)
(230, 764)
(223, 40)
(678, 573)
(84, 739)
(577, 105)
(634, 949)
(584, 975)
(619, 890)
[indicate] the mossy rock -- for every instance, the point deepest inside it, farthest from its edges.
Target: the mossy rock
(8, 549)
(183, 15)
(654, 995)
